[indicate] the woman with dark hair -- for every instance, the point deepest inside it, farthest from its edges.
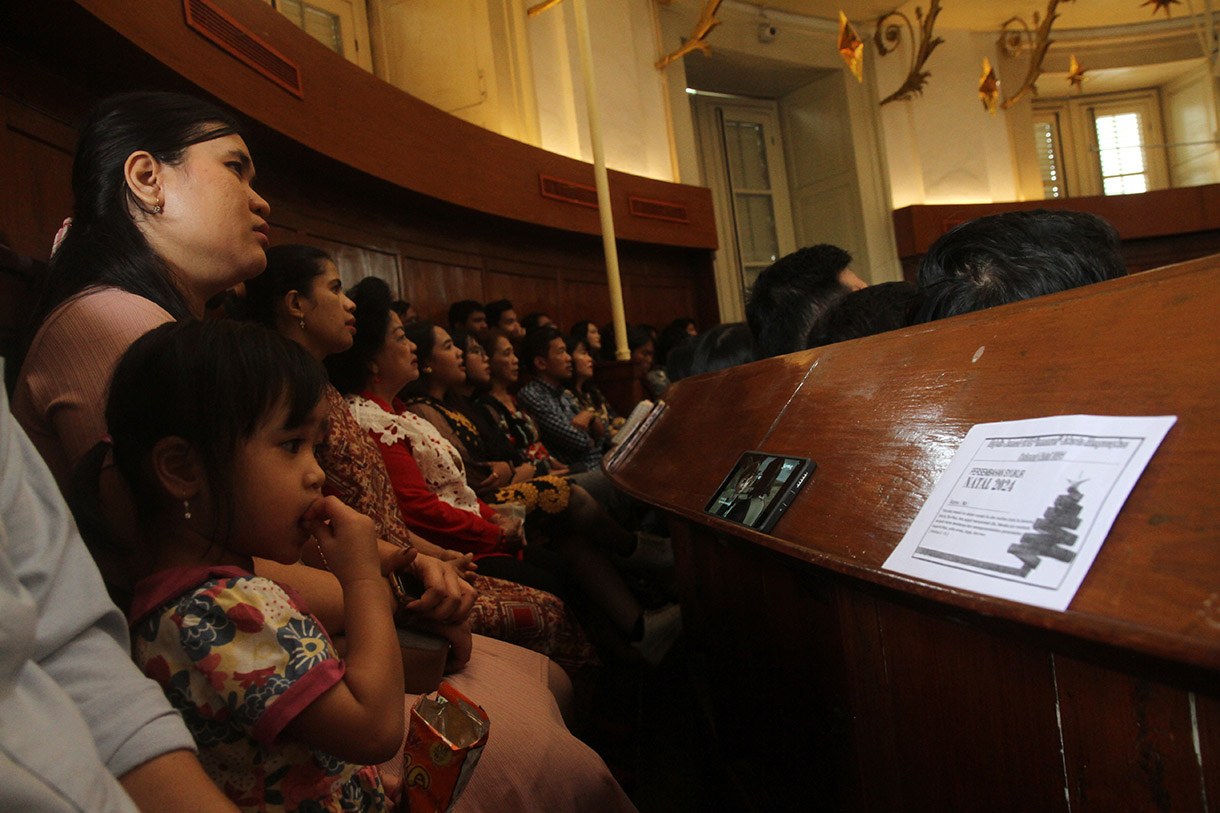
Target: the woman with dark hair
(301, 296)
(429, 477)
(642, 342)
(504, 370)
(164, 219)
(592, 337)
(433, 396)
(586, 392)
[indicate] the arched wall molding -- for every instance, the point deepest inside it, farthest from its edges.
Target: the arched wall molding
(353, 117)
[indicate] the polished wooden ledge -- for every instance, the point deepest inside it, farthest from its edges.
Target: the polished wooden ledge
(883, 416)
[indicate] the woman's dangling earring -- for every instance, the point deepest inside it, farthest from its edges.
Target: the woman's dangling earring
(186, 508)
(302, 323)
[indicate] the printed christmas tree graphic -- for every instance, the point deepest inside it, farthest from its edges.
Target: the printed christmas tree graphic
(1052, 536)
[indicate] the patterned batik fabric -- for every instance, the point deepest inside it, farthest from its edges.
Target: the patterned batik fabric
(511, 612)
(356, 474)
(533, 619)
(548, 493)
(521, 430)
(240, 657)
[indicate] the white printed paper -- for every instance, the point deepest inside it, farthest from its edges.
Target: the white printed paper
(1024, 507)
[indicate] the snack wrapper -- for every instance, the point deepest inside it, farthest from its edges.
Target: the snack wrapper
(445, 738)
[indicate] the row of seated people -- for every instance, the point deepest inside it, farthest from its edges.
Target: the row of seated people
(209, 475)
(646, 345)
(248, 516)
(812, 298)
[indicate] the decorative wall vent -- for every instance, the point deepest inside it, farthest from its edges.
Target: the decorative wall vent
(567, 191)
(658, 209)
(235, 38)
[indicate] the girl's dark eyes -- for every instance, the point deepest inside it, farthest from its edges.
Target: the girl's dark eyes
(292, 445)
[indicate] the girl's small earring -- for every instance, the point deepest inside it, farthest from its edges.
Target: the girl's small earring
(186, 509)
(156, 210)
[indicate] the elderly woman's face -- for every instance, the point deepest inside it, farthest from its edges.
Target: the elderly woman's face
(504, 364)
(395, 362)
(212, 227)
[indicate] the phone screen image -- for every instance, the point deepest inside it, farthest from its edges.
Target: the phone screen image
(759, 488)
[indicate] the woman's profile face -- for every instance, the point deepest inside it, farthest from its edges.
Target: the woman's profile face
(641, 357)
(448, 367)
(395, 360)
(594, 338)
(504, 366)
(582, 363)
(329, 316)
(212, 228)
(478, 370)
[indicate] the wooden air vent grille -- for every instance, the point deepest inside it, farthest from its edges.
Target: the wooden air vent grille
(567, 191)
(658, 209)
(235, 38)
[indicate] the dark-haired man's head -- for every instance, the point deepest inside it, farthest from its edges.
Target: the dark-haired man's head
(405, 311)
(790, 296)
(469, 316)
(1007, 257)
(871, 310)
(536, 320)
(719, 348)
(502, 315)
(545, 354)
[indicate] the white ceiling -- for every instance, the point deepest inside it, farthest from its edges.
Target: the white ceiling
(984, 15)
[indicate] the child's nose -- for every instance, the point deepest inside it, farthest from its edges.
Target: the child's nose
(315, 477)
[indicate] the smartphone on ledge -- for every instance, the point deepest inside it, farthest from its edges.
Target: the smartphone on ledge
(759, 488)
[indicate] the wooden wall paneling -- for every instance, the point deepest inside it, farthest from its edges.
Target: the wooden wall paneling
(1128, 742)
(581, 298)
(657, 301)
(1207, 729)
(871, 740)
(528, 292)
(781, 721)
(432, 287)
(974, 713)
(37, 152)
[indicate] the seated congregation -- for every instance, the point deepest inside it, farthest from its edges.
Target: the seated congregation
(310, 504)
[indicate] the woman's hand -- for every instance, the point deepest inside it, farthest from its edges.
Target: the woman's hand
(448, 597)
(346, 538)
(523, 472)
(460, 642)
(513, 537)
(583, 421)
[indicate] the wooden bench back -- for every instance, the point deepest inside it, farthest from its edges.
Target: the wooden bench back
(883, 416)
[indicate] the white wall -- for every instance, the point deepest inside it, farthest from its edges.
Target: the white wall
(943, 146)
(1189, 108)
(631, 92)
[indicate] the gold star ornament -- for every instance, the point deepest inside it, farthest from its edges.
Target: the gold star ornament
(851, 47)
(989, 87)
(1076, 73)
(1157, 5)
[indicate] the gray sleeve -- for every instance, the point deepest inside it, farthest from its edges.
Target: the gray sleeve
(80, 637)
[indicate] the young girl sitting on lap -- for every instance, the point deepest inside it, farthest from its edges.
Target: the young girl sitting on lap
(214, 425)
